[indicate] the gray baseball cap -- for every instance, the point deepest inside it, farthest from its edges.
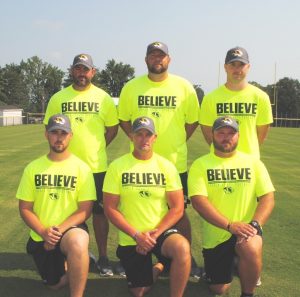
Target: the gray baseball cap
(225, 122)
(83, 59)
(59, 122)
(237, 54)
(143, 123)
(157, 45)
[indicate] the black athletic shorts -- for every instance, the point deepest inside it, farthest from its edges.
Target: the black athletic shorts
(138, 267)
(184, 177)
(98, 204)
(50, 264)
(219, 262)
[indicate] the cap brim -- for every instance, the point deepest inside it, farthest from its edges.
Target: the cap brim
(140, 128)
(228, 126)
(156, 49)
(53, 128)
(83, 64)
(238, 60)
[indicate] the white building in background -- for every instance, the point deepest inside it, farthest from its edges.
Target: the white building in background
(10, 115)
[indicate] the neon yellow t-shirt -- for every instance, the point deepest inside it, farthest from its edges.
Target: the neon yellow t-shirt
(232, 185)
(250, 107)
(90, 111)
(142, 187)
(55, 188)
(171, 104)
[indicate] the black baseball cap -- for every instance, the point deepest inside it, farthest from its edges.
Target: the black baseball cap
(225, 122)
(237, 54)
(83, 59)
(143, 123)
(59, 122)
(157, 45)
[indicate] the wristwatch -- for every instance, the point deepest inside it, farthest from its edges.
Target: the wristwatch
(257, 226)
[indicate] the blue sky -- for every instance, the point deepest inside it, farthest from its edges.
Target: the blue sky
(197, 32)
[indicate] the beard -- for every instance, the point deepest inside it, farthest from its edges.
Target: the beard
(81, 81)
(224, 149)
(58, 148)
(157, 70)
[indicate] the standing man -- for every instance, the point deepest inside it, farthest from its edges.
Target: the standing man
(94, 121)
(143, 198)
(172, 104)
(56, 196)
(233, 193)
(249, 105)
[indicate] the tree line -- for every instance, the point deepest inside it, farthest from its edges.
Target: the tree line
(30, 84)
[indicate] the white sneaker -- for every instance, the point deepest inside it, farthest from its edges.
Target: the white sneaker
(258, 283)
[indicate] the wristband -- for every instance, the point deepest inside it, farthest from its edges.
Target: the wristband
(134, 236)
(257, 226)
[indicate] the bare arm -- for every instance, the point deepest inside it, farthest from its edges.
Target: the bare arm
(207, 133)
(262, 133)
(143, 239)
(190, 129)
(110, 134)
(78, 217)
(49, 235)
(264, 208)
(176, 207)
(111, 202)
(203, 206)
(53, 234)
(126, 126)
(206, 210)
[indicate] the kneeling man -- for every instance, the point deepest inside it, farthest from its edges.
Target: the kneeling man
(143, 198)
(233, 193)
(56, 196)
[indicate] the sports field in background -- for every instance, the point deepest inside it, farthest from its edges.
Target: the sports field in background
(281, 274)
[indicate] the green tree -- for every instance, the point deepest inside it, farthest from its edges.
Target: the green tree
(68, 80)
(288, 97)
(42, 80)
(13, 88)
(114, 77)
(3, 97)
(256, 84)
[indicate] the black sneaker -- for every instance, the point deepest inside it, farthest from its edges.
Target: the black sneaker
(120, 270)
(104, 267)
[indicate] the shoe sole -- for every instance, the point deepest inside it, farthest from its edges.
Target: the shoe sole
(106, 274)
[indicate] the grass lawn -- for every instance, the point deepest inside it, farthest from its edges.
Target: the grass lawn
(21, 144)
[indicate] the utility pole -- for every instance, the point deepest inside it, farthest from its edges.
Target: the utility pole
(275, 92)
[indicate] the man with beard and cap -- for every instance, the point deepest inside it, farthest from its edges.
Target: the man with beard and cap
(233, 193)
(171, 102)
(94, 120)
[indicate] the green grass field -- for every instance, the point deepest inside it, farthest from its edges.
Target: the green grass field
(21, 144)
